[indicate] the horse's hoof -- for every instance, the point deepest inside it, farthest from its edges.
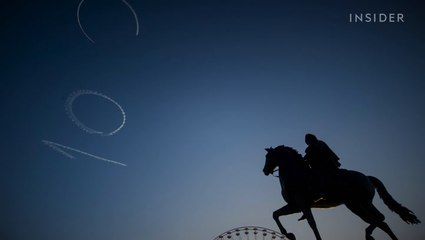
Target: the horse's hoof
(291, 236)
(302, 218)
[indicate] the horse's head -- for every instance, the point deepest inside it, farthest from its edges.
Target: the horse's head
(282, 155)
(271, 161)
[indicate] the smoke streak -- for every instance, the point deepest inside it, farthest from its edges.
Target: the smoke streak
(57, 146)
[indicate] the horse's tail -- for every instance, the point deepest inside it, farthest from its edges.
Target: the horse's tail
(405, 214)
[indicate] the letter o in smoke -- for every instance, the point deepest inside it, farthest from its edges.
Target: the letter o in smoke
(69, 110)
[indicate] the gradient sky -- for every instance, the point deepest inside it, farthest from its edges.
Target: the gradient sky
(206, 86)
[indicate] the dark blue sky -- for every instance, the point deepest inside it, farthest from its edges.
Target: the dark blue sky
(205, 86)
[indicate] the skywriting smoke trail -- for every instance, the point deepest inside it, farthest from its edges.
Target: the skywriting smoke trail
(57, 146)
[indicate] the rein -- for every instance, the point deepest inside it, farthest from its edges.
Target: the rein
(274, 172)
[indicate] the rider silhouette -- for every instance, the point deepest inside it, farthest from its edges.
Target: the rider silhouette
(324, 163)
(319, 156)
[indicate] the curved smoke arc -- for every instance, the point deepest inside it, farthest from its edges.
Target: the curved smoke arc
(69, 110)
(136, 19)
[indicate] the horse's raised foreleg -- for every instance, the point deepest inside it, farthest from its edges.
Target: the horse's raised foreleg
(285, 210)
(310, 219)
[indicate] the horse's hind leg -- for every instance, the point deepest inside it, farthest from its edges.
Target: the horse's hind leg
(377, 219)
(369, 231)
(371, 215)
(285, 210)
(384, 226)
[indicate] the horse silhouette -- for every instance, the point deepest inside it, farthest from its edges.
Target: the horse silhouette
(301, 190)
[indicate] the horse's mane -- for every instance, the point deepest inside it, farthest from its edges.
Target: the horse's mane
(293, 152)
(290, 151)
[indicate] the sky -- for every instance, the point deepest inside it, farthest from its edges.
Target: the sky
(204, 87)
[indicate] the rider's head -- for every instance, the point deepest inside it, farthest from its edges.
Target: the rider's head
(310, 139)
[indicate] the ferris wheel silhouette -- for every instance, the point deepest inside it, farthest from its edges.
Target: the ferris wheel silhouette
(250, 233)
